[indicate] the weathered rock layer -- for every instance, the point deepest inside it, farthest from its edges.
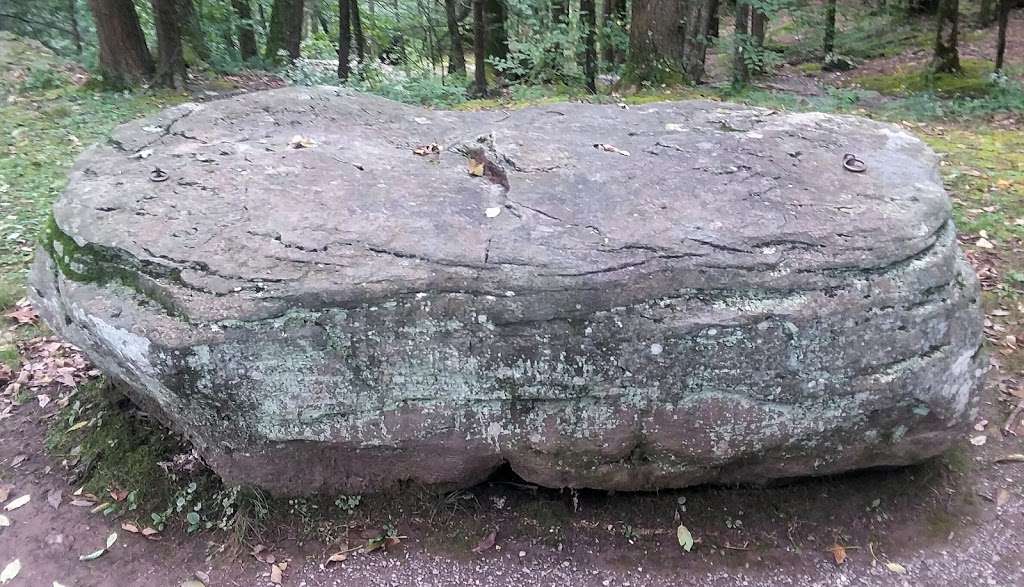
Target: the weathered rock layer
(637, 298)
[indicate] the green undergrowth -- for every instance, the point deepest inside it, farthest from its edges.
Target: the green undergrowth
(973, 81)
(41, 133)
(138, 471)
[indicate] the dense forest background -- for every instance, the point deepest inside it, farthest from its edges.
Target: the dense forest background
(438, 51)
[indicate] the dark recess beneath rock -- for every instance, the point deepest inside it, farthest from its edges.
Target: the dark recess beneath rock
(672, 294)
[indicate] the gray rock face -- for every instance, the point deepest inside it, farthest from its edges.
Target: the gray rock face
(671, 294)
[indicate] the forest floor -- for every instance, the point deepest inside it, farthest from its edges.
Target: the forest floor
(92, 469)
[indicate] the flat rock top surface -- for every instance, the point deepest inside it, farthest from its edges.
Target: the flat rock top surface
(318, 196)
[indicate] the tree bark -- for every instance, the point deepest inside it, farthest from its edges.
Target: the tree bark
(740, 71)
(588, 18)
(246, 33)
(357, 31)
(1004, 18)
(170, 68)
(285, 30)
(829, 47)
(986, 15)
(715, 28)
(695, 42)
(191, 27)
(456, 55)
(496, 14)
(758, 24)
(344, 39)
(946, 58)
(123, 55)
(655, 40)
(479, 49)
(76, 32)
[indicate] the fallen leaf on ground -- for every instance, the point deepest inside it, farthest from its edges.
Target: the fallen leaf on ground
(23, 315)
(54, 498)
(1011, 458)
(4, 521)
(1002, 496)
(82, 503)
(129, 527)
(337, 557)
(193, 583)
(476, 168)
(118, 494)
(17, 503)
(276, 574)
(424, 150)
(486, 542)
(5, 491)
(979, 440)
(43, 399)
(151, 533)
(10, 571)
(984, 243)
(896, 568)
(301, 142)
(611, 149)
(838, 553)
(684, 537)
(492, 212)
(97, 554)
(18, 460)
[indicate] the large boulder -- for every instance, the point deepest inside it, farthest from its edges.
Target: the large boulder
(603, 297)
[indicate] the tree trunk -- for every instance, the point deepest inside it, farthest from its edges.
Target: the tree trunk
(588, 19)
(758, 23)
(947, 55)
(695, 41)
(191, 27)
(479, 49)
(560, 11)
(456, 56)
(986, 15)
(923, 6)
(344, 39)
(285, 30)
(357, 31)
(246, 33)
(76, 32)
(1004, 18)
(497, 36)
(170, 67)
(655, 40)
(740, 71)
(123, 55)
(830, 30)
(715, 28)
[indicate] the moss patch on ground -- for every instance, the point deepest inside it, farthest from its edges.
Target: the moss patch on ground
(973, 81)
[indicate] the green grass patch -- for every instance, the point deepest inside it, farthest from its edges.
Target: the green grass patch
(974, 81)
(41, 134)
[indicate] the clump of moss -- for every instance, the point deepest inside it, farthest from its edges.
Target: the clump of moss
(973, 81)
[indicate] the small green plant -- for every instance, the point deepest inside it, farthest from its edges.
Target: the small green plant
(348, 503)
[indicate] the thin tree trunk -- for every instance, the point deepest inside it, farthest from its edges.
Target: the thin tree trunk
(758, 23)
(479, 49)
(123, 55)
(285, 30)
(588, 18)
(1004, 18)
(344, 40)
(456, 56)
(695, 41)
(986, 16)
(715, 26)
(740, 71)
(830, 30)
(170, 69)
(357, 31)
(655, 40)
(947, 55)
(246, 34)
(497, 36)
(76, 33)
(191, 27)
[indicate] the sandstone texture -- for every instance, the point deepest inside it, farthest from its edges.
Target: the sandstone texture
(627, 299)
